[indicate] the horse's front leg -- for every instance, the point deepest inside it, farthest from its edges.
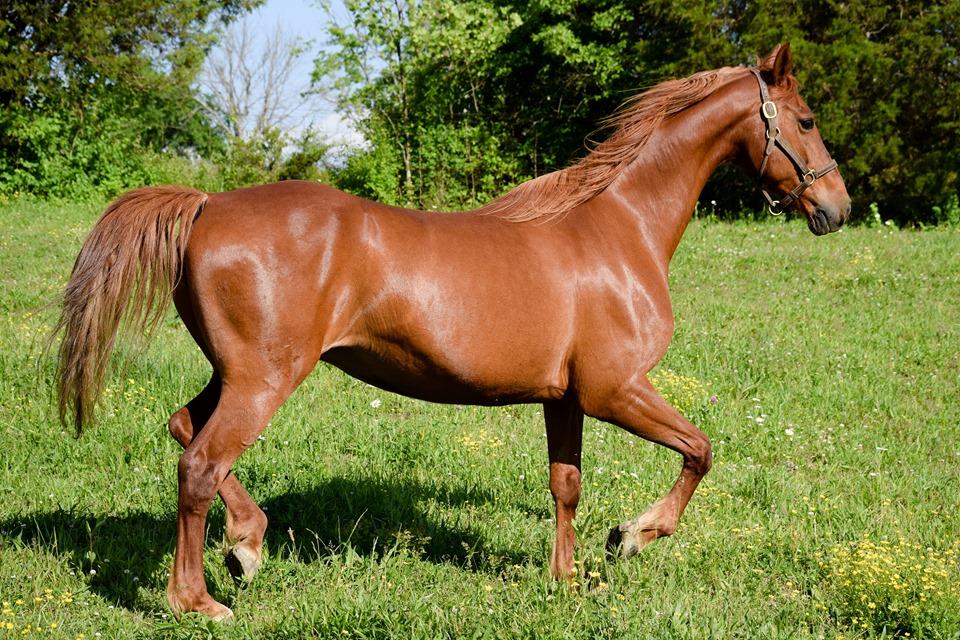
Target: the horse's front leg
(640, 410)
(564, 420)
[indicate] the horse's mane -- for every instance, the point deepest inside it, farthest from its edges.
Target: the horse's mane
(555, 194)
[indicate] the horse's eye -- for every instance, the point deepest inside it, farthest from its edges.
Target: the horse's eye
(806, 124)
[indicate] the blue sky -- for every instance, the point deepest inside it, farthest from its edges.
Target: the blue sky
(306, 20)
(301, 16)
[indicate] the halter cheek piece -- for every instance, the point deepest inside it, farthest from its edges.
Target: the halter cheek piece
(807, 175)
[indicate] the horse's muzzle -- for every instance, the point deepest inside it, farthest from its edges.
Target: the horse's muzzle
(827, 219)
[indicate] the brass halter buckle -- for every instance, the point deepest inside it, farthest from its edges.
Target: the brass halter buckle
(769, 110)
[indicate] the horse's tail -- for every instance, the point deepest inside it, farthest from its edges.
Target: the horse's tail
(128, 266)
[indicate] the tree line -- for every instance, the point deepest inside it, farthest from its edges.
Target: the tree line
(458, 100)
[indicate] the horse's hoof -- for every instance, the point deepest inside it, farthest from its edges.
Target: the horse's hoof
(225, 615)
(242, 563)
(622, 542)
(210, 609)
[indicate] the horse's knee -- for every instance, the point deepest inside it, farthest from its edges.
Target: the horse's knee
(666, 528)
(699, 457)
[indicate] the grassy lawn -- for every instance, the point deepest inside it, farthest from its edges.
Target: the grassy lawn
(826, 372)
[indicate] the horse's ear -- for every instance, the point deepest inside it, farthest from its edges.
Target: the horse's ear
(779, 64)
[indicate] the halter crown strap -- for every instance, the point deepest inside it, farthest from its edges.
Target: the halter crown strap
(769, 113)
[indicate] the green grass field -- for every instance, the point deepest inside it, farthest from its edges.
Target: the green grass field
(833, 508)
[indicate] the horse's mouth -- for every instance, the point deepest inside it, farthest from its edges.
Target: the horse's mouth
(820, 223)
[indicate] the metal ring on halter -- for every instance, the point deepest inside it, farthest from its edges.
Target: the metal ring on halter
(772, 207)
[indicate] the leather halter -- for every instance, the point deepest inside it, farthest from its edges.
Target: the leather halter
(807, 175)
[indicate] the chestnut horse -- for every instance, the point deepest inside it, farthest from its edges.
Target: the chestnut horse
(555, 293)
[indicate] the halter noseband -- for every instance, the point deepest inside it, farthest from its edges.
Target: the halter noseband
(807, 175)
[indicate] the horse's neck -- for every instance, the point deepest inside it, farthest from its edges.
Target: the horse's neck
(658, 192)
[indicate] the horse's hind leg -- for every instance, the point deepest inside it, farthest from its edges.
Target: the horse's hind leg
(643, 412)
(564, 422)
(239, 418)
(246, 522)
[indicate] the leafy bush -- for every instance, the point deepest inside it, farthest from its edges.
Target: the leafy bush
(896, 587)
(949, 214)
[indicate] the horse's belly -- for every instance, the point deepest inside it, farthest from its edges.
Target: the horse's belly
(410, 374)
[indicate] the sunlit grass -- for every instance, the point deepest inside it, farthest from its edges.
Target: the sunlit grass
(824, 370)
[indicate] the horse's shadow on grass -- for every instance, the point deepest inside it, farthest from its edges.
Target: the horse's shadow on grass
(126, 559)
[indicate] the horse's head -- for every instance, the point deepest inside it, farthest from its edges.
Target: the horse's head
(789, 155)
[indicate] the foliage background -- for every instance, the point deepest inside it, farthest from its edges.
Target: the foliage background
(93, 92)
(469, 98)
(458, 101)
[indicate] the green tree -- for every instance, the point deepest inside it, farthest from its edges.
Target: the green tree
(573, 62)
(90, 88)
(370, 70)
(459, 100)
(411, 77)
